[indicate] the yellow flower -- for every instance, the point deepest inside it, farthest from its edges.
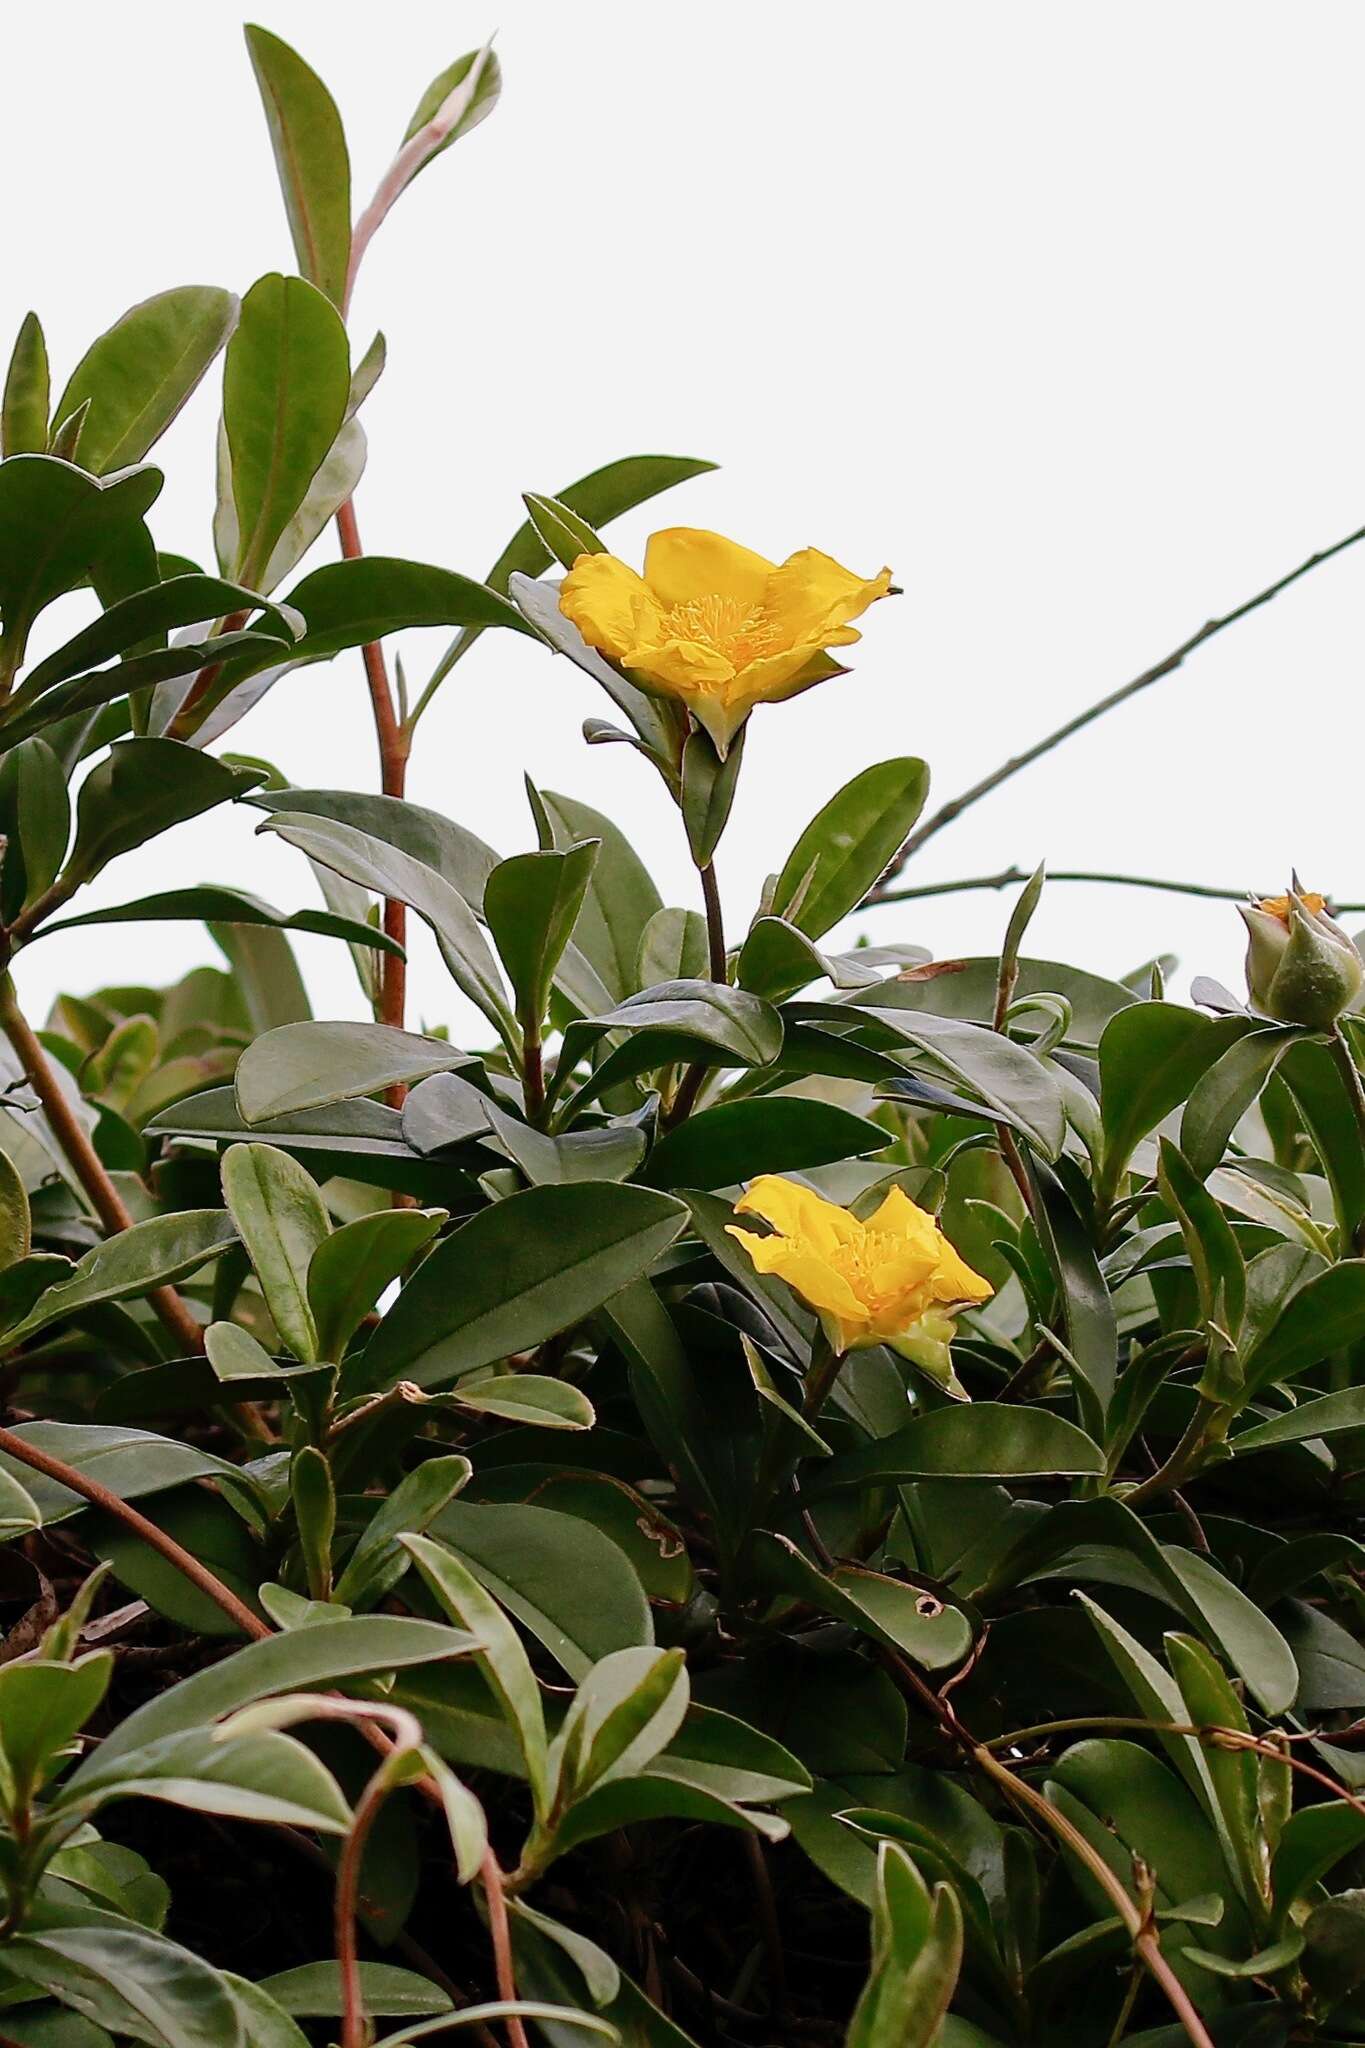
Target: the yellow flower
(716, 625)
(892, 1280)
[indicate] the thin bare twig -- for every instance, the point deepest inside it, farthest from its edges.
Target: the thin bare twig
(954, 808)
(1006, 878)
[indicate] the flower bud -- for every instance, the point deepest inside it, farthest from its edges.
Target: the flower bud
(1301, 967)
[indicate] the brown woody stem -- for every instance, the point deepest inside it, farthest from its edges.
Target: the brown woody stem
(81, 1155)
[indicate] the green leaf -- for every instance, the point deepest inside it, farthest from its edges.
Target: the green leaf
(27, 399)
(139, 373)
(19, 1512)
(708, 791)
(1328, 1416)
(517, 1274)
(458, 855)
(980, 1440)
(152, 1254)
(1216, 1256)
(35, 819)
(310, 156)
(677, 1020)
(262, 1776)
(147, 615)
(626, 1710)
(285, 389)
(42, 1707)
(1248, 1639)
(305, 1066)
(1225, 1091)
(315, 1514)
(1314, 1839)
(501, 1658)
(620, 900)
(346, 604)
(479, 104)
(562, 531)
(130, 1462)
(527, 1397)
(16, 1228)
(313, 1991)
(673, 947)
(843, 850)
(131, 1981)
(532, 903)
(351, 1268)
(87, 526)
(281, 1219)
(536, 1562)
(888, 1610)
(378, 1562)
(140, 789)
(736, 1141)
(1151, 1056)
(266, 973)
(601, 496)
(1009, 1078)
(1325, 1315)
(1089, 1319)
(303, 1660)
(390, 872)
(916, 1955)
(211, 902)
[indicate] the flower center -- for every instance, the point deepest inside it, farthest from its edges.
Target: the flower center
(739, 632)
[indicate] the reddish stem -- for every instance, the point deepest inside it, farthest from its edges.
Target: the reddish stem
(501, 1937)
(394, 746)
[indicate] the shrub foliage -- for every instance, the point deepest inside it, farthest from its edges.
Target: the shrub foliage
(764, 1489)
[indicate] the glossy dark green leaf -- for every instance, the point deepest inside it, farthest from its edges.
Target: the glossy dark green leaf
(1008, 1077)
(1216, 1256)
(1316, 1086)
(621, 898)
(1326, 1314)
(210, 902)
(130, 1462)
(304, 1066)
(140, 789)
(285, 390)
(1088, 1314)
(138, 375)
(460, 856)
(27, 398)
(351, 1268)
(536, 1563)
(847, 844)
(376, 865)
(516, 1274)
(677, 1020)
(131, 1981)
(310, 156)
(151, 1254)
(887, 1609)
(982, 1440)
(190, 600)
(345, 604)
(87, 527)
(35, 819)
(313, 1991)
(1225, 1092)
(708, 791)
(282, 1221)
(564, 534)
(1326, 1417)
(673, 947)
(736, 1141)
(601, 496)
(1151, 1056)
(532, 903)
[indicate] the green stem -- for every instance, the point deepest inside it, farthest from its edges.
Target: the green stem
(715, 924)
(1184, 1460)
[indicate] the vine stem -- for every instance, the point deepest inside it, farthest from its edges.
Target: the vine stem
(25, 1453)
(954, 808)
(1146, 1943)
(85, 1162)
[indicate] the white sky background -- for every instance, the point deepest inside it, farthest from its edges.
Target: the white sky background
(1054, 307)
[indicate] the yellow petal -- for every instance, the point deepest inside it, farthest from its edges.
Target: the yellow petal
(812, 596)
(807, 1274)
(685, 667)
(770, 677)
(955, 1280)
(612, 607)
(799, 1212)
(686, 562)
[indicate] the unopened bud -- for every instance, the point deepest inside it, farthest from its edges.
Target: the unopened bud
(1301, 967)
